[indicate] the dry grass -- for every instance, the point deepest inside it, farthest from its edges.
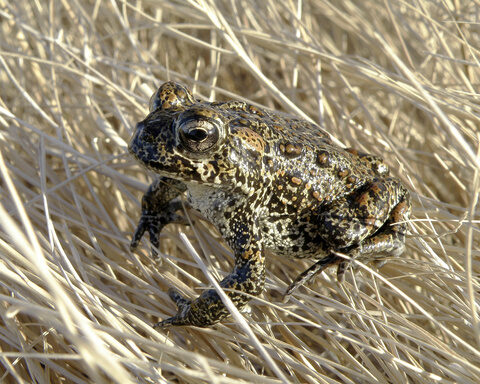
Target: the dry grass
(398, 79)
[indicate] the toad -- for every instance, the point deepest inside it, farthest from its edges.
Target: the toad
(267, 181)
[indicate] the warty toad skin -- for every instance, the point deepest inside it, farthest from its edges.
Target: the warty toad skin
(267, 181)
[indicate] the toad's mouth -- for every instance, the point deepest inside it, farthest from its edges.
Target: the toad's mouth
(156, 157)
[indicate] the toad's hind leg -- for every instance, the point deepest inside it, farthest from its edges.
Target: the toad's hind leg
(388, 240)
(387, 243)
(310, 273)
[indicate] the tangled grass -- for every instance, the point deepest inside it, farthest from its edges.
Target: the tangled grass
(397, 79)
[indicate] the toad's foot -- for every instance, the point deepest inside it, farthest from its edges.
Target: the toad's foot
(310, 273)
(183, 306)
(159, 206)
(246, 279)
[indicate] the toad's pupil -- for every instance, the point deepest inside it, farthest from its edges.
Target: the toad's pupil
(196, 134)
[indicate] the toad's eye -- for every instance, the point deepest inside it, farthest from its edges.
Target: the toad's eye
(198, 135)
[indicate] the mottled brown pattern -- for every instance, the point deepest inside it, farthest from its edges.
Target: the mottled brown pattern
(266, 181)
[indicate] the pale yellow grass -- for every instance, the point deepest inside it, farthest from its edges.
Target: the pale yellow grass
(397, 79)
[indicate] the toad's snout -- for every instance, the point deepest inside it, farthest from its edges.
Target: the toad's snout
(136, 138)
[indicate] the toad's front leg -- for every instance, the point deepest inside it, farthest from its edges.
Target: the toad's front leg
(159, 206)
(247, 277)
